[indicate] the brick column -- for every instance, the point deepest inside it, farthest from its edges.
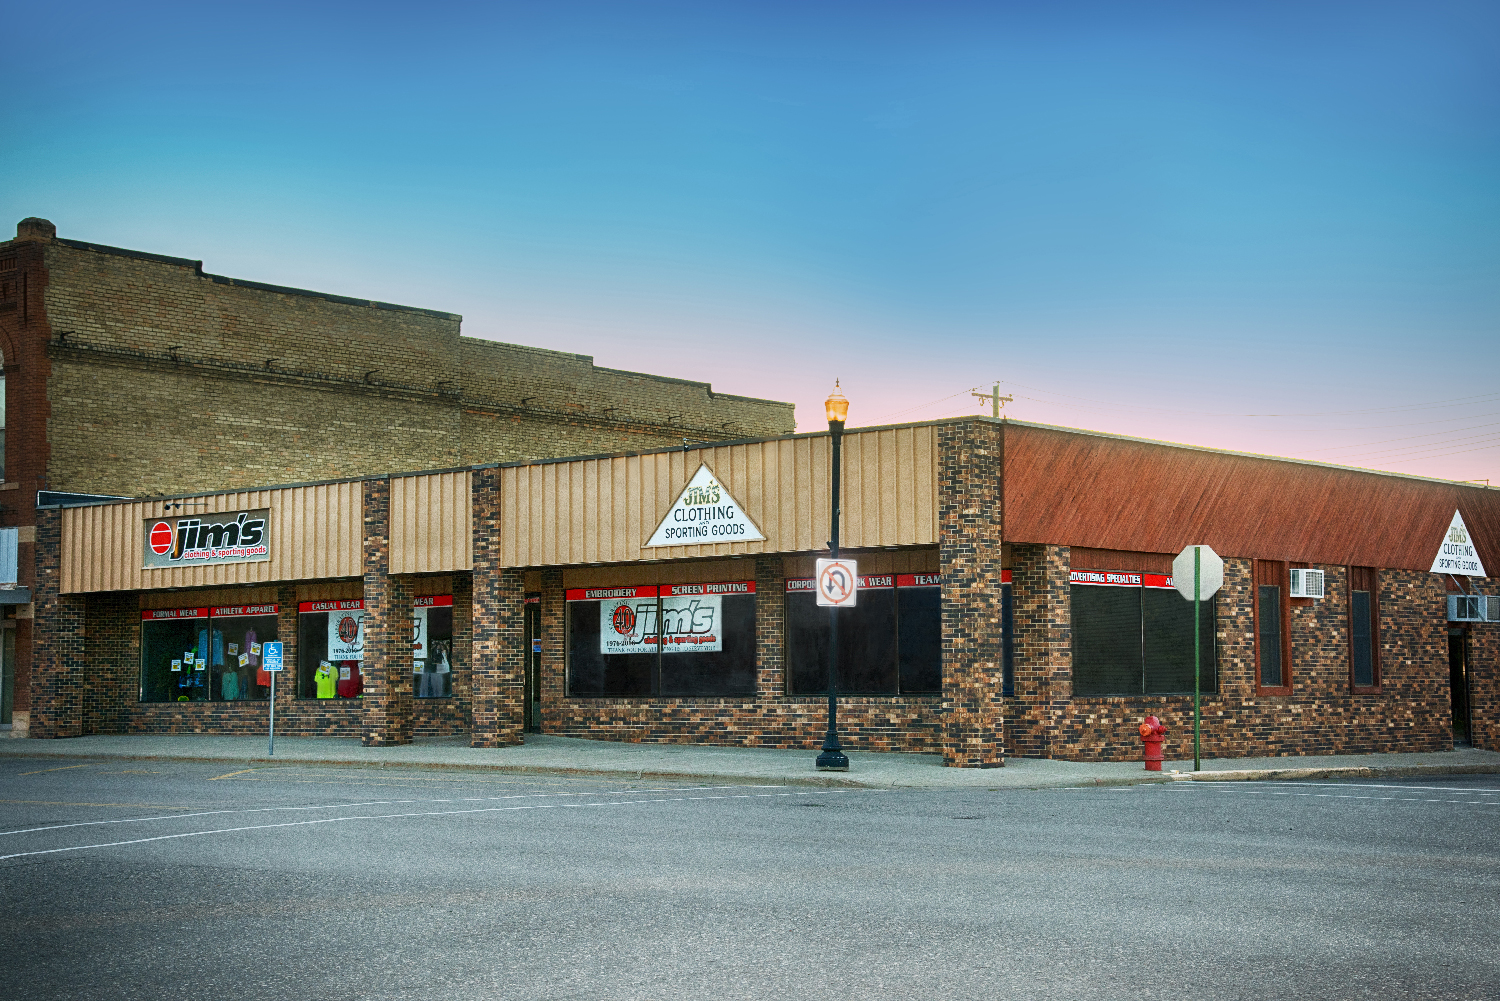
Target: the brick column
(58, 651)
(463, 649)
(1043, 630)
(555, 710)
(770, 629)
(970, 518)
(387, 665)
(499, 603)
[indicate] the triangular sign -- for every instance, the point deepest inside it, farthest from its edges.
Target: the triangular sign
(704, 515)
(1457, 554)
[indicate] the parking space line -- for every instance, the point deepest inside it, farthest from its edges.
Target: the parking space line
(44, 771)
(407, 816)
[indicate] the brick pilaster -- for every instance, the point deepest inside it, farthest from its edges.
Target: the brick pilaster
(59, 647)
(1042, 623)
(387, 663)
(499, 603)
(770, 605)
(970, 519)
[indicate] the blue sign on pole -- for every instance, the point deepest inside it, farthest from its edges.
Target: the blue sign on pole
(270, 659)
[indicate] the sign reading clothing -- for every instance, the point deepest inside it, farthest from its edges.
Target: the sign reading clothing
(202, 540)
(704, 514)
(1457, 554)
(674, 618)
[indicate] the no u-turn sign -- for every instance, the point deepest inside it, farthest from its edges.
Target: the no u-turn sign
(837, 582)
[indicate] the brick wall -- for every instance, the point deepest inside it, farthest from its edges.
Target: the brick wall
(1321, 716)
(168, 380)
(60, 663)
(1484, 680)
(111, 679)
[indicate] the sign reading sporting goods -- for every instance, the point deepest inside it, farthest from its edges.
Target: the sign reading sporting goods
(704, 514)
(207, 539)
(1457, 554)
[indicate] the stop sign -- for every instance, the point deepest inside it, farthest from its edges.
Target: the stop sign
(1210, 572)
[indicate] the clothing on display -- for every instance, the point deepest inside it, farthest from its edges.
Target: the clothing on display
(229, 686)
(325, 680)
(351, 681)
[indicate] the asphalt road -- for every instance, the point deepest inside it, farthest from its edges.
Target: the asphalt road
(170, 880)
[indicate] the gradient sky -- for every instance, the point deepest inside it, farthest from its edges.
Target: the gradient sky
(1266, 226)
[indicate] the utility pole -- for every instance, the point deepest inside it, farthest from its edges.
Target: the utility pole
(995, 399)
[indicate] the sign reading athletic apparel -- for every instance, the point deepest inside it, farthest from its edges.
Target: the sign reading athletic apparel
(207, 539)
(704, 514)
(1457, 554)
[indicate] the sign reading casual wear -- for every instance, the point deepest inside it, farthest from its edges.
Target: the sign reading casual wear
(346, 627)
(202, 540)
(1457, 554)
(837, 582)
(704, 514)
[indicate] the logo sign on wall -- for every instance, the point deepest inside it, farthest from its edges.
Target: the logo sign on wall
(704, 514)
(1457, 554)
(627, 621)
(207, 539)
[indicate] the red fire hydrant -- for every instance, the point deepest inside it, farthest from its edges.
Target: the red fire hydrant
(1153, 733)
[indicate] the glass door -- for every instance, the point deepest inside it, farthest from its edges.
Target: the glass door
(533, 660)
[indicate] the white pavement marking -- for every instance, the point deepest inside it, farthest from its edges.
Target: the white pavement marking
(405, 816)
(344, 806)
(1204, 787)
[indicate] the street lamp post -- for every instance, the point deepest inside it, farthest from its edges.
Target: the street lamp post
(833, 758)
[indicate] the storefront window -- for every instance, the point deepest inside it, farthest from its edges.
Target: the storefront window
(890, 642)
(678, 640)
(330, 649)
(236, 633)
(205, 654)
(432, 647)
(1133, 635)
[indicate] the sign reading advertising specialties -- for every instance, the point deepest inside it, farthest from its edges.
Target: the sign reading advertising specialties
(1457, 554)
(207, 539)
(704, 514)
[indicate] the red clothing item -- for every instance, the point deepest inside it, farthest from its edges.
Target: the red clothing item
(353, 685)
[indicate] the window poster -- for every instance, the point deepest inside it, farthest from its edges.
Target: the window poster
(346, 634)
(692, 623)
(628, 625)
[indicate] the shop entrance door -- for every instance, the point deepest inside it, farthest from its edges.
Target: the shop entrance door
(1458, 675)
(7, 669)
(532, 656)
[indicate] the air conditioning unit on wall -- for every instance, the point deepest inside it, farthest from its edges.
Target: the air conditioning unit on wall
(1307, 583)
(1473, 608)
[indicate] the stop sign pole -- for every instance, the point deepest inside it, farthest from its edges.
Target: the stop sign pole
(1207, 577)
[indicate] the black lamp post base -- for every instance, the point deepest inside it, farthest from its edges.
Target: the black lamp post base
(833, 761)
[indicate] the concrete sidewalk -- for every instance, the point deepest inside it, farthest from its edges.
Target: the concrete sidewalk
(548, 755)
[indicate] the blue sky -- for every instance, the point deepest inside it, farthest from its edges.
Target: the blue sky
(1161, 219)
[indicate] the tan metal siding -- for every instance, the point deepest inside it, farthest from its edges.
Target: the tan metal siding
(602, 510)
(315, 532)
(430, 523)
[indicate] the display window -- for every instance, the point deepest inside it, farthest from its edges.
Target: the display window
(678, 640)
(432, 647)
(205, 654)
(1133, 635)
(330, 649)
(890, 642)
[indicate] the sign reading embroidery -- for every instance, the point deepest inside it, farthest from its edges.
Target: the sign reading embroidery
(704, 514)
(207, 539)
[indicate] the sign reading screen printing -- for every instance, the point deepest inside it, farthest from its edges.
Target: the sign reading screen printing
(207, 539)
(704, 514)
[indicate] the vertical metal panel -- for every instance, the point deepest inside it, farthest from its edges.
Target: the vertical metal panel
(316, 532)
(430, 522)
(602, 510)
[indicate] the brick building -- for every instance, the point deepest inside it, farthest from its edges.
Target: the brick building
(134, 374)
(1015, 600)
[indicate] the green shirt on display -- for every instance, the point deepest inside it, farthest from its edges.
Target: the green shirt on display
(325, 679)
